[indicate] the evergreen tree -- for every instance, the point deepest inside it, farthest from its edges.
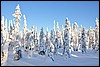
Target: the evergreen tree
(79, 37)
(75, 37)
(91, 37)
(66, 41)
(97, 35)
(47, 38)
(41, 39)
(83, 41)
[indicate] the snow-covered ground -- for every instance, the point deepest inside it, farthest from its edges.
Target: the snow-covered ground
(77, 59)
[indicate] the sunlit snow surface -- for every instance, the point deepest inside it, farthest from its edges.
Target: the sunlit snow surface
(77, 59)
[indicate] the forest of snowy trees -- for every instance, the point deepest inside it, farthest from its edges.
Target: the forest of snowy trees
(68, 40)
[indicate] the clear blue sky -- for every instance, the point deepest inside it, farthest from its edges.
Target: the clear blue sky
(43, 13)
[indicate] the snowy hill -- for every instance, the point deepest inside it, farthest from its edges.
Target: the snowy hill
(77, 59)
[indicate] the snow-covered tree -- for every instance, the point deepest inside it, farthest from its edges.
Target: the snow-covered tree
(52, 36)
(57, 38)
(29, 45)
(97, 35)
(66, 40)
(2, 31)
(87, 38)
(91, 37)
(17, 16)
(31, 49)
(51, 51)
(32, 34)
(79, 37)
(62, 35)
(75, 37)
(83, 41)
(24, 32)
(4, 41)
(41, 39)
(47, 38)
(56, 43)
(15, 35)
(36, 42)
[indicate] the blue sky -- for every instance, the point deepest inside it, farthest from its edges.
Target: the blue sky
(43, 13)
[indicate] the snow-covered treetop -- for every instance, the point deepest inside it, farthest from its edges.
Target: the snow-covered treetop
(75, 26)
(33, 28)
(6, 23)
(66, 18)
(83, 32)
(41, 33)
(11, 25)
(80, 26)
(67, 22)
(18, 7)
(25, 24)
(17, 13)
(47, 29)
(2, 23)
(80, 29)
(24, 18)
(97, 22)
(54, 25)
